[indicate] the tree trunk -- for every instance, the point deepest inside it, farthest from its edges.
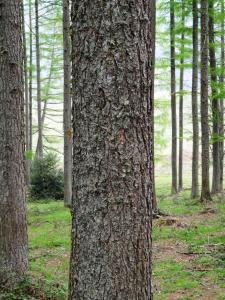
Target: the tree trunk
(215, 103)
(195, 147)
(30, 79)
(38, 67)
(222, 98)
(26, 91)
(152, 46)
(205, 193)
(173, 98)
(25, 78)
(13, 234)
(44, 110)
(67, 106)
(112, 107)
(181, 102)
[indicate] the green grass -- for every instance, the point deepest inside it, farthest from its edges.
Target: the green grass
(178, 274)
(195, 267)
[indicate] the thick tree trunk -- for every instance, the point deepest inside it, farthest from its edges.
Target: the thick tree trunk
(222, 98)
(180, 180)
(215, 103)
(67, 106)
(13, 234)
(30, 79)
(173, 98)
(38, 67)
(195, 124)
(112, 108)
(205, 193)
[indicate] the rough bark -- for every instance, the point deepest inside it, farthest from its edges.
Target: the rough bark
(181, 100)
(195, 123)
(205, 192)
(112, 182)
(215, 103)
(67, 106)
(13, 234)
(222, 98)
(38, 70)
(173, 98)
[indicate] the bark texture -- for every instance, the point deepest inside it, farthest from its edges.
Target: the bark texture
(13, 234)
(173, 98)
(195, 123)
(112, 107)
(205, 193)
(67, 106)
(215, 103)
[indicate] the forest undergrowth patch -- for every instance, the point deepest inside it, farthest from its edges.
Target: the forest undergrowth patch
(188, 250)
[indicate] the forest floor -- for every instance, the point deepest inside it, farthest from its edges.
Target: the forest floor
(188, 248)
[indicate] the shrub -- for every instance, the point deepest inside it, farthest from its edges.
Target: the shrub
(46, 178)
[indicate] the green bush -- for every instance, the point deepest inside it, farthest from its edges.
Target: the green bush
(46, 178)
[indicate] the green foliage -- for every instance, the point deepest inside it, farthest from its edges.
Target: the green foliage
(46, 178)
(29, 154)
(28, 289)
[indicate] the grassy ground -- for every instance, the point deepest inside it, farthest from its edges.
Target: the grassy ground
(189, 248)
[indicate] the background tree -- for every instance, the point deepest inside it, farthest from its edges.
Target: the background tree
(13, 234)
(38, 66)
(67, 105)
(222, 62)
(205, 192)
(195, 123)
(215, 103)
(181, 99)
(112, 79)
(173, 97)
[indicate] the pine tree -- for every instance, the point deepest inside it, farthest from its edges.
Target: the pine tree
(111, 208)
(13, 233)
(205, 192)
(173, 97)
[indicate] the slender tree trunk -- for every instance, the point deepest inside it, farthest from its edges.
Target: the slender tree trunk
(67, 106)
(181, 103)
(205, 193)
(38, 67)
(195, 149)
(173, 98)
(25, 78)
(152, 40)
(222, 98)
(26, 91)
(215, 103)
(30, 79)
(13, 234)
(44, 110)
(112, 109)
